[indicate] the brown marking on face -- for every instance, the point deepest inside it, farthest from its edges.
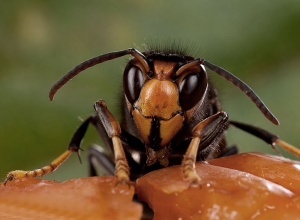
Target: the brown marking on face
(163, 69)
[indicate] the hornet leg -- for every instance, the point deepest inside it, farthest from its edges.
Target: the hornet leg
(267, 137)
(74, 146)
(211, 127)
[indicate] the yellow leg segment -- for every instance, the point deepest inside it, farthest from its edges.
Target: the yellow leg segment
(189, 160)
(114, 130)
(122, 168)
(288, 147)
(17, 174)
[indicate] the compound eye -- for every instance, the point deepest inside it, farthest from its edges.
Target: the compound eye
(133, 81)
(192, 89)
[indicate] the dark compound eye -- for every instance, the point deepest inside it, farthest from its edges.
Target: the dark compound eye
(133, 81)
(192, 89)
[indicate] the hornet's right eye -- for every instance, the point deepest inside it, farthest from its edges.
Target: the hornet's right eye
(133, 81)
(192, 89)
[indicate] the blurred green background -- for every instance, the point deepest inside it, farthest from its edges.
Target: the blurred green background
(259, 41)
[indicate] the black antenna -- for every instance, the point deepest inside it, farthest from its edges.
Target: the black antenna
(242, 86)
(94, 61)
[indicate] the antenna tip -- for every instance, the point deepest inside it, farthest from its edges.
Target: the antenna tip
(51, 95)
(274, 120)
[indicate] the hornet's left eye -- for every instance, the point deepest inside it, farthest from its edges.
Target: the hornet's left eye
(191, 89)
(133, 81)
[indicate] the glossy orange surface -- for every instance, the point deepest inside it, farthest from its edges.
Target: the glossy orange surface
(244, 186)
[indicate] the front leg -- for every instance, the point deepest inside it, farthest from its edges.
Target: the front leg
(210, 128)
(112, 128)
(114, 131)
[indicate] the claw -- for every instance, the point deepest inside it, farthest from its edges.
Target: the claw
(9, 177)
(124, 182)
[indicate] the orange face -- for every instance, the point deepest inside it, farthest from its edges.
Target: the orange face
(157, 112)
